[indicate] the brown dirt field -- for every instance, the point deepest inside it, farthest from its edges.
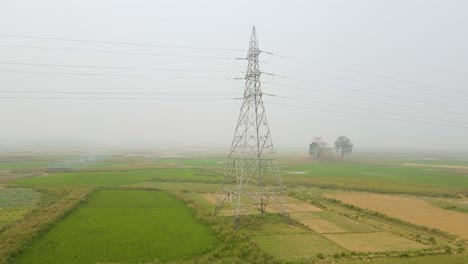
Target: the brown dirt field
(413, 210)
(374, 242)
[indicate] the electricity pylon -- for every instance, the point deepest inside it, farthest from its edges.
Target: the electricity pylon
(251, 179)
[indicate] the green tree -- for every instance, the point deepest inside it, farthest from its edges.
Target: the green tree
(318, 147)
(343, 145)
(314, 149)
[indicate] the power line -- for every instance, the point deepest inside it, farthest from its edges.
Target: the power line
(123, 52)
(120, 75)
(162, 69)
(370, 116)
(119, 43)
(128, 93)
(118, 98)
(360, 72)
(366, 92)
(348, 79)
(374, 101)
(370, 110)
(114, 68)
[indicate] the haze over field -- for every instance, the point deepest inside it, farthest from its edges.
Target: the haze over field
(420, 41)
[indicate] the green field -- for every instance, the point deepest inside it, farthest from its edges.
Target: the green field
(291, 247)
(48, 215)
(15, 203)
(113, 178)
(379, 173)
(419, 260)
(377, 178)
(123, 226)
(23, 165)
(194, 162)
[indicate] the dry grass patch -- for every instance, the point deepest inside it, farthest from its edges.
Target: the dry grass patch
(330, 222)
(314, 222)
(301, 207)
(209, 197)
(292, 205)
(14, 239)
(374, 242)
(296, 246)
(413, 210)
(322, 226)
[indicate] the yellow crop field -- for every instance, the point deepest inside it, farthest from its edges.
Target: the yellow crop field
(413, 210)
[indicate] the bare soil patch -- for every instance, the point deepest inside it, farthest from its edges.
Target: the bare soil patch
(409, 209)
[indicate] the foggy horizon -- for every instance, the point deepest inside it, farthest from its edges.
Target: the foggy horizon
(388, 75)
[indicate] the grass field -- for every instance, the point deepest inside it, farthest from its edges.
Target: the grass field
(330, 222)
(23, 165)
(199, 162)
(15, 203)
(114, 178)
(377, 173)
(458, 205)
(420, 260)
(132, 225)
(178, 186)
(378, 178)
(373, 242)
(123, 226)
(291, 247)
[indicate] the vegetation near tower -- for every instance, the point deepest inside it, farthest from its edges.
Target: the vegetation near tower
(343, 145)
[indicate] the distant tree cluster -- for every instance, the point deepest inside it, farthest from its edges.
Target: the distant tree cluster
(319, 148)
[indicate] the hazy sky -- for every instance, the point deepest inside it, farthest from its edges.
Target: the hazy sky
(421, 41)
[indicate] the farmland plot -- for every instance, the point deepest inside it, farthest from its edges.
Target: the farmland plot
(413, 210)
(15, 203)
(124, 226)
(113, 178)
(374, 242)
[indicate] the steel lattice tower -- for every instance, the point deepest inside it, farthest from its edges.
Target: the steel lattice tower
(252, 180)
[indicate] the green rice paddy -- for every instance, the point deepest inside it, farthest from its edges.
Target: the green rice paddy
(381, 174)
(113, 178)
(130, 226)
